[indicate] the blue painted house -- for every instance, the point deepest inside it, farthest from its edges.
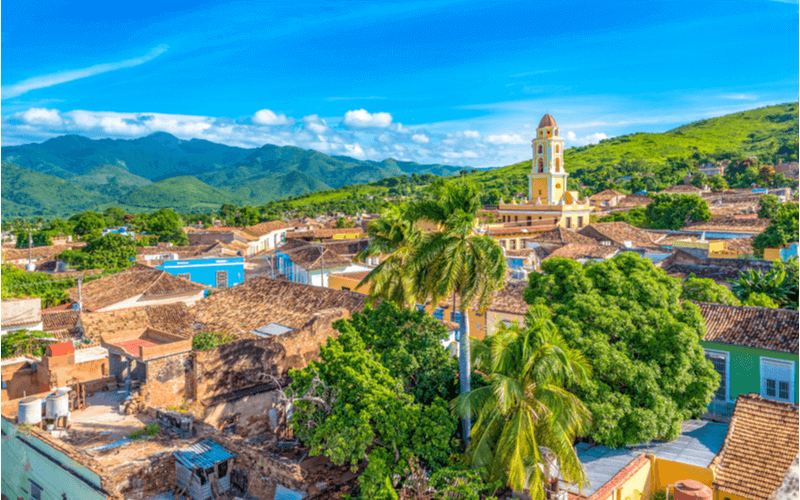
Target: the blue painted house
(218, 273)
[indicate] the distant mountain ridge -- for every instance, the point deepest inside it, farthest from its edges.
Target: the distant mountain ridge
(130, 173)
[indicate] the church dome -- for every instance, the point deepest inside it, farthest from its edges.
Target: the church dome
(547, 121)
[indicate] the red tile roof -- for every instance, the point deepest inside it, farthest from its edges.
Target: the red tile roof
(60, 349)
(755, 327)
(761, 444)
(132, 346)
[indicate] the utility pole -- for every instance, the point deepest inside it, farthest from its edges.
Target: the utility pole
(30, 247)
(80, 295)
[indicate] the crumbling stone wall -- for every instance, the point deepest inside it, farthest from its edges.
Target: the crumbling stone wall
(249, 363)
(168, 380)
(20, 381)
(143, 478)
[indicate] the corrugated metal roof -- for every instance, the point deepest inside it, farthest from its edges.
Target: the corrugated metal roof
(204, 454)
(283, 493)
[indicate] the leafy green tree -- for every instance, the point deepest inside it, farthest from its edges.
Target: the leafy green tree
(38, 239)
(626, 316)
(114, 216)
(705, 290)
(21, 342)
(89, 224)
(673, 211)
(349, 406)
(524, 408)
(635, 217)
(452, 260)
(394, 236)
(205, 341)
(228, 212)
(699, 180)
(768, 206)
(760, 300)
(343, 223)
(717, 183)
(112, 251)
(779, 284)
(246, 216)
(782, 229)
(59, 227)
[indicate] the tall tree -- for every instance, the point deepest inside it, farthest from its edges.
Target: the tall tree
(673, 211)
(523, 412)
(783, 229)
(394, 236)
(452, 259)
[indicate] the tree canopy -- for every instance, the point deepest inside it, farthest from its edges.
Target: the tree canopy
(783, 229)
(705, 290)
(112, 251)
(375, 394)
(627, 318)
(673, 211)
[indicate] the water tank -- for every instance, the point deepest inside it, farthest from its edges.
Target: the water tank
(30, 267)
(29, 411)
(692, 490)
(57, 405)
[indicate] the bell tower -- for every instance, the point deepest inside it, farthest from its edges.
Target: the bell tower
(547, 179)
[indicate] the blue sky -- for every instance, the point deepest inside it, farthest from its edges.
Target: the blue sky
(432, 81)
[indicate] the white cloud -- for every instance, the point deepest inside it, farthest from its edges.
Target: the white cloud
(40, 116)
(574, 140)
(420, 138)
(43, 81)
(472, 134)
(315, 124)
(505, 139)
(385, 138)
(361, 118)
(269, 118)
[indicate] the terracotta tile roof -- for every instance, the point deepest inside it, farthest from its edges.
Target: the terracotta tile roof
(575, 251)
(169, 318)
(761, 444)
(562, 236)
(59, 320)
(310, 258)
(730, 224)
(740, 245)
(509, 299)
(265, 228)
(39, 252)
(756, 327)
(633, 200)
(136, 280)
(605, 195)
(618, 233)
(132, 345)
(263, 301)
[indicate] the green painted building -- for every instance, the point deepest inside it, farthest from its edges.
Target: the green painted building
(36, 470)
(755, 350)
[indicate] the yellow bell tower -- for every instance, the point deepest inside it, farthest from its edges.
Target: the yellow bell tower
(547, 180)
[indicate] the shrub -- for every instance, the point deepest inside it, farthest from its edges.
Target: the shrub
(204, 341)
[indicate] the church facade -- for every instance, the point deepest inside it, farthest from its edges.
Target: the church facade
(549, 201)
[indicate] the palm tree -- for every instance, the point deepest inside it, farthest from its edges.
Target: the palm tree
(394, 235)
(524, 413)
(454, 260)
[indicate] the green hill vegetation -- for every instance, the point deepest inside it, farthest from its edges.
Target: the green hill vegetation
(183, 194)
(109, 180)
(27, 193)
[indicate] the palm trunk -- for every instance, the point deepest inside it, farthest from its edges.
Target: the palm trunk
(464, 370)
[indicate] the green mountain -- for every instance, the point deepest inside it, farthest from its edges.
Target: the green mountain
(109, 180)
(27, 193)
(183, 194)
(267, 173)
(154, 157)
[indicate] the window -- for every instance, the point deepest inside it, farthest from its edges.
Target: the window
(569, 222)
(558, 163)
(345, 289)
(580, 222)
(185, 276)
(777, 379)
(557, 147)
(478, 325)
(540, 149)
(36, 491)
(721, 361)
(222, 279)
(529, 220)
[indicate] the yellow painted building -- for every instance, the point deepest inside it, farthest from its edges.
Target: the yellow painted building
(549, 201)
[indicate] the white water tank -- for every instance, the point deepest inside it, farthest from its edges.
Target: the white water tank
(57, 405)
(29, 411)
